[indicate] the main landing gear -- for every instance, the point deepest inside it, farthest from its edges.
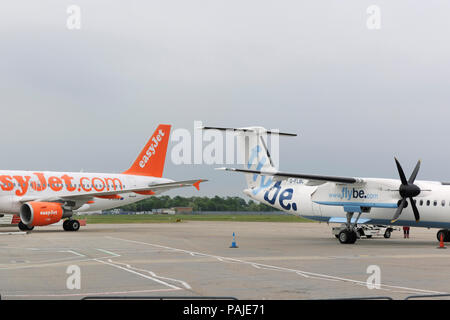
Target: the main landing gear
(68, 225)
(24, 227)
(349, 235)
(71, 225)
(445, 235)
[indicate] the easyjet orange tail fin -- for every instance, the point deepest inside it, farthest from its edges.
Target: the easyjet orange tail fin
(150, 161)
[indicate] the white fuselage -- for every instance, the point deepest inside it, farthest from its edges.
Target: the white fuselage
(330, 202)
(19, 186)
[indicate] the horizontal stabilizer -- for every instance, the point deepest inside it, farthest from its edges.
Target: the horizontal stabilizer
(256, 130)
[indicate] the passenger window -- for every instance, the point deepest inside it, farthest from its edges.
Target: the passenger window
(435, 203)
(421, 203)
(443, 203)
(428, 202)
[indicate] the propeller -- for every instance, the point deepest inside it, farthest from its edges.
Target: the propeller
(407, 190)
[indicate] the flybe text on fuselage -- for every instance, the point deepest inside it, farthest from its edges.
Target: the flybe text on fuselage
(277, 196)
(274, 195)
(23, 183)
(352, 193)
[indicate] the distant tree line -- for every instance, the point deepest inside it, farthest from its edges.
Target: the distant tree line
(198, 204)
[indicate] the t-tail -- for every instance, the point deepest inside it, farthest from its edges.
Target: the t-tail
(150, 161)
(253, 151)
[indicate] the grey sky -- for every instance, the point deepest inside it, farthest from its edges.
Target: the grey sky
(91, 98)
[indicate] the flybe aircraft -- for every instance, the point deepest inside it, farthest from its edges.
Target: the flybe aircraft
(349, 200)
(40, 198)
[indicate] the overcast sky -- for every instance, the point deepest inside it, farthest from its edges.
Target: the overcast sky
(90, 98)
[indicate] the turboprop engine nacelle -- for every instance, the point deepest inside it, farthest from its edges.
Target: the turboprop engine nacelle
(42, 213)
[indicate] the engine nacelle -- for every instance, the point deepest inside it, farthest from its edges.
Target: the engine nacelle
(42, 213)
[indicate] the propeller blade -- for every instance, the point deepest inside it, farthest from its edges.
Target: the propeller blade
(401, 173)
(415, 210)
(415, 172)
(399, 210)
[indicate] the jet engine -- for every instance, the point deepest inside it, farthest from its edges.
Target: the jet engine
(42, 213)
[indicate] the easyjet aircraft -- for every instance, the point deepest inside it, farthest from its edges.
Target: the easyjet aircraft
(337, 199)
(43, 198)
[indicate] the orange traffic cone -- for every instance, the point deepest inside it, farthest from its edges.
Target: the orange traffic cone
(441, 243)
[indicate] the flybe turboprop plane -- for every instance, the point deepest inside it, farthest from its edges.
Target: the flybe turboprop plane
(348, 200)
(40, 198)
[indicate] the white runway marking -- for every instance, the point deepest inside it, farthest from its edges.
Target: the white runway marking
(153, 275)
(44, 263)
(85, 294)
(53, 262)
(109, 252)
(300, 272)
(75, 253)
(128, 268)
(185, 284)
(139, 274)
(13, 233)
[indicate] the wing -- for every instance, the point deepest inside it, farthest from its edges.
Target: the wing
(310, 177)
(81, 198)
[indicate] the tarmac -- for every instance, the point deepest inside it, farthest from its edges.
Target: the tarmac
(194, 259)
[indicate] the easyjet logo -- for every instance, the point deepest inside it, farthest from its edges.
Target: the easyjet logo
(151, 151)
(48, 213)
(39, 183)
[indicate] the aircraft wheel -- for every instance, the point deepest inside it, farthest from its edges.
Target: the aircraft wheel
(71, 225)
(353, 237)
(360, 233)
(444, 233)
(343, 236)
(346, 236)
(24, 227)
(387, 234)
(66, 225)
(75, 225)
